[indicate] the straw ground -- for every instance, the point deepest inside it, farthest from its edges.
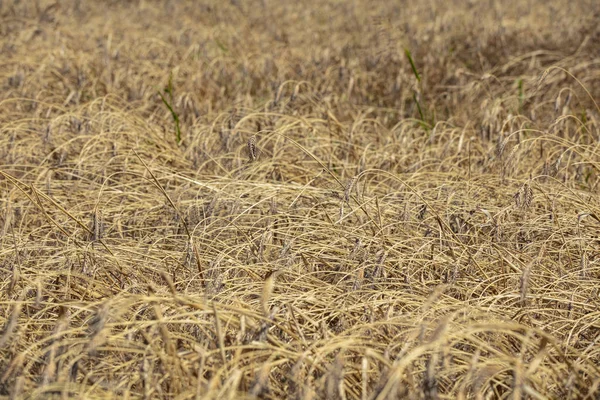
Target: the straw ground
(349, 200)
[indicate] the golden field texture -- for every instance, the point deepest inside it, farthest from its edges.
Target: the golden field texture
(303, 200)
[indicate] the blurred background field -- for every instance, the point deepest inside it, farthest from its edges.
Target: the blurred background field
(304, 200)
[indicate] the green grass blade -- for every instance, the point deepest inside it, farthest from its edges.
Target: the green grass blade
(412, 64)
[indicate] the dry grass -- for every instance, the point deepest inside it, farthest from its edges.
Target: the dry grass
(331, 223)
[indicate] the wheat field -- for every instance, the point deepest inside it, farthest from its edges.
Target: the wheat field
(300, 200)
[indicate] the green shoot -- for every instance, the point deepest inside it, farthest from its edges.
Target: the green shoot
(412, 64)
(415, 98)
(169, 90)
